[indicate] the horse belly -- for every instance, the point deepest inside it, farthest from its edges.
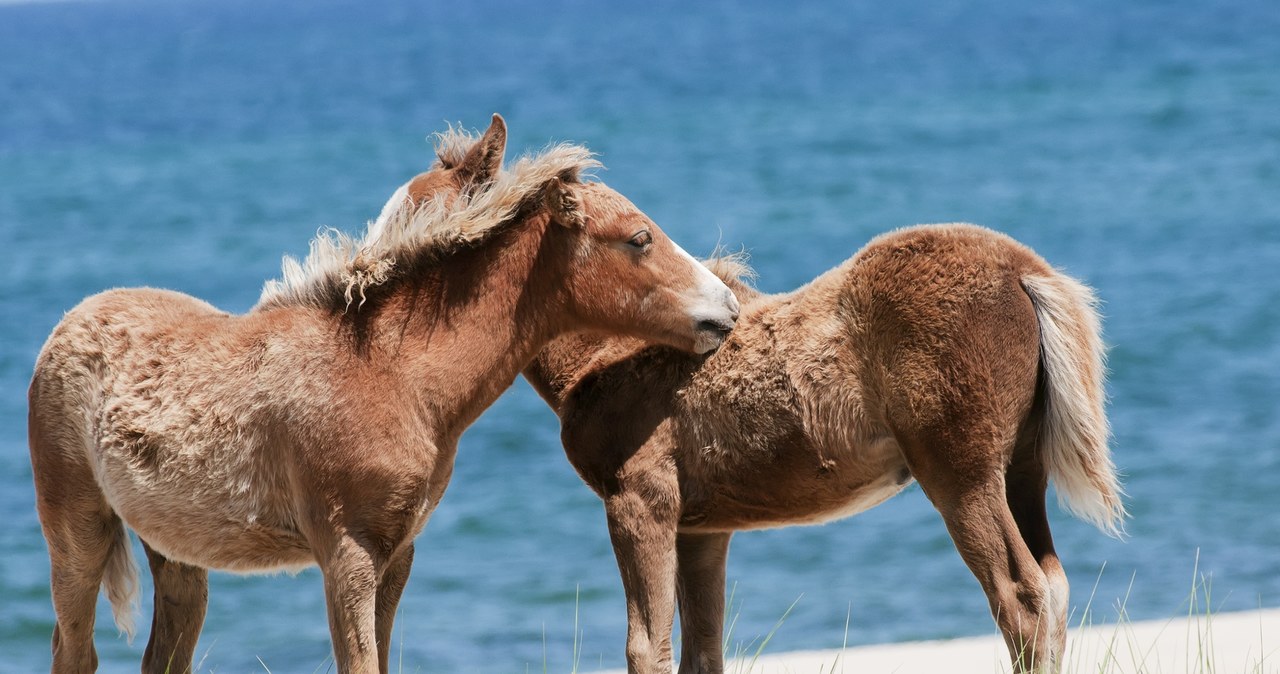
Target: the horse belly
(850, 502)
(826, 486)
(235, 517)
(247, 547)
(862, 478)
(213, 533)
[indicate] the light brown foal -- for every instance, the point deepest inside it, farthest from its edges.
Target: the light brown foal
(949, 354)
(321, 427)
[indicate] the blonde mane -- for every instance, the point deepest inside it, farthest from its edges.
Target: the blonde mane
(729, 267)
(343, 267)
(452, 145)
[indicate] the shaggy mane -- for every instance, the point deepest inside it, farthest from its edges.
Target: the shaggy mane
(340, 269)
(452, 146)
(731, 267)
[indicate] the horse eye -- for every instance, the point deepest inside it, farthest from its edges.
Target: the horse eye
(642, 239)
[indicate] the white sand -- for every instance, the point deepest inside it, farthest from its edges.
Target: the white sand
(1226, 643)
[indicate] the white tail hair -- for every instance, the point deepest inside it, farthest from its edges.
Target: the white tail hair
(120, 581)
(1074, 435)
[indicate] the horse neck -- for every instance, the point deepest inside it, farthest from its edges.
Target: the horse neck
(461, 331)
(565, 360)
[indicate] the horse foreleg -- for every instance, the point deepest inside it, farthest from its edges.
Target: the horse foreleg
(350, 591)
(644, 540)
(700, 588)
(390, 587)
(181, 596)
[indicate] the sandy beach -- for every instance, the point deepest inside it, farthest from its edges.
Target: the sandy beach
(1226, 643)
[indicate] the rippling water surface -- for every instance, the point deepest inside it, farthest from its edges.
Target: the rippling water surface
(188, 145)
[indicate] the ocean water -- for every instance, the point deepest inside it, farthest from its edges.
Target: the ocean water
(189, 144)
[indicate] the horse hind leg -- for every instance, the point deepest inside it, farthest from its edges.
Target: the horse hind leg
(80, 548)
(88, 546)
(181, 596)
(964, 478)
(1026, 482)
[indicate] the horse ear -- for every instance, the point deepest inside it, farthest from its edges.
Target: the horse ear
(563, 204)
(483, 161)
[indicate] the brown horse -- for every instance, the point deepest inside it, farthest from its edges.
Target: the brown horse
(949, 354)
(321, 427)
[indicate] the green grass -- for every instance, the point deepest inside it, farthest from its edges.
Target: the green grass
(1121, 650)
(736, 653)
(1124, 652)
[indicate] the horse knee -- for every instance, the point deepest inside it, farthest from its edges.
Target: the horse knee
(702, 662)
(74, 652)
(638, 648)
(644, 656)
(1043, 599)
(1031, 614)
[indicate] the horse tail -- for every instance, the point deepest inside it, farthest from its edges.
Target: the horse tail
(1074, 434)
(120, 580)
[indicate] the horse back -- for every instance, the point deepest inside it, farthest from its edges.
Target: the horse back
(133, 319)
(123, 341)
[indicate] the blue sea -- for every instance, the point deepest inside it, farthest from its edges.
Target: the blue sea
(188, 144)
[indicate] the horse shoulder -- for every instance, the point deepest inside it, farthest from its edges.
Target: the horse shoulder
(740, 407)
(616, 421)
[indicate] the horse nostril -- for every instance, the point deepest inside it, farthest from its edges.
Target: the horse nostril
(733, 305)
